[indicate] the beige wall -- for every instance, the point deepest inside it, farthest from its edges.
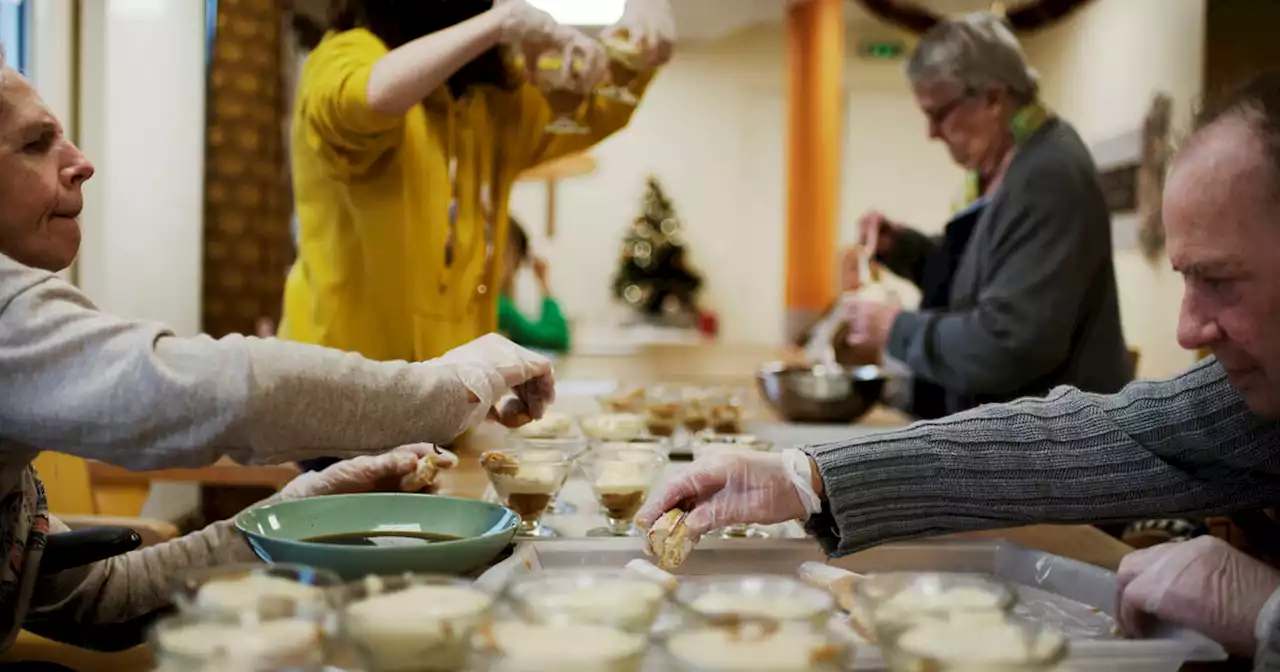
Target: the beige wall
(712, 128)
(1100, 69)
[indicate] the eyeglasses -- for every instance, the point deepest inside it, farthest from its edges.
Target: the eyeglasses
(938, 116)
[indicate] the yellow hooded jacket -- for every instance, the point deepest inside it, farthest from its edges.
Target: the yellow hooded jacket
(373, 196)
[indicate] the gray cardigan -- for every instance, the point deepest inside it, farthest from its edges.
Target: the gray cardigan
(1182, 447)
(1033, 300)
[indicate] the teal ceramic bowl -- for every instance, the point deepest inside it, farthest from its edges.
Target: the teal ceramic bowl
(473, 533)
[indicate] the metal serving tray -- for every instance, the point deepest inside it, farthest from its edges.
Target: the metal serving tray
(1075, 597)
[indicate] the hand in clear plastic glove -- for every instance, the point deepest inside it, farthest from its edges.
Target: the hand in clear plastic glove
(490, 366)
(389, 472)
(649, 25)
(535, 33)
(761, 488)
(1203, 584)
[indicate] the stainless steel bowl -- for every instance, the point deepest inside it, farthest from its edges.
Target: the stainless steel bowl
(819, 394)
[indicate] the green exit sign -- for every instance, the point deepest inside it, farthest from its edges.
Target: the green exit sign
(882, 50)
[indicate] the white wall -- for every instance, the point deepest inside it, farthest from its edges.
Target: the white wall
(1100, 70)
(712, 127)
(142, 109)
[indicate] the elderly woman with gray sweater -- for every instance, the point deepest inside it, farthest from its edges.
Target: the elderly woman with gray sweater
(1019, 291)
(131, 393)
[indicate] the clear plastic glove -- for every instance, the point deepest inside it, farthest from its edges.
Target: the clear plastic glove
(649, 25)
(1203, 584)
(535, 33)
(762, 488)
(490, 366)
(389, 472)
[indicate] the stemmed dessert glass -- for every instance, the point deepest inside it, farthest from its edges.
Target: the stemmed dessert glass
(621, 476)
(526, 480)
(564, 94)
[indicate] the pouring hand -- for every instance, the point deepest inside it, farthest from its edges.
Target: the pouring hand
(876, 232)
(648, 25)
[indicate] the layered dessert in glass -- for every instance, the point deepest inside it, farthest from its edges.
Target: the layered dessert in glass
(526, 481)
(616, 597)
(620, 476)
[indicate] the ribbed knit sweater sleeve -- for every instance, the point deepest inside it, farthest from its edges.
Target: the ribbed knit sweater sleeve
(1182, 447)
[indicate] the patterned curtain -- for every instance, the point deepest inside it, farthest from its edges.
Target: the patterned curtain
(247, 246)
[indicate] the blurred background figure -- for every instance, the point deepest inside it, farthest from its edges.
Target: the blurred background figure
(550, 331)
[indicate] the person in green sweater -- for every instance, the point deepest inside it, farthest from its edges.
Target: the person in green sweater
(550, 331)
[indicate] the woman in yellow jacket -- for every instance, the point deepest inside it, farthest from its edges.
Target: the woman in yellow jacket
(409, 126)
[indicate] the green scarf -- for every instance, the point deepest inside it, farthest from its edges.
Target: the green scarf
(1024, 124)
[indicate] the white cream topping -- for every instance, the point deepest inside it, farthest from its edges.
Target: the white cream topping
(785, 650)
(247, 592)
(578, 647)
(767, 606)
(418, 628)
(628, 604)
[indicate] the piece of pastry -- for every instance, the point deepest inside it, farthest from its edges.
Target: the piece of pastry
(424, 476)
(668, 539)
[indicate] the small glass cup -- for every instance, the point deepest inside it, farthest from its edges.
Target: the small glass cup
(563, 95)
(224, 642)
(664, 409)
(886, 600)
(971, 642)
(706, 445)
(613, 426)
(526, 482)
(414, 623)
(549, 426)
(725, 412)
(755, 645)
(696, 405)
(270, 591)
(755, 596)
(625, 64)
(520, 646)
(621, 476)
(628, 399)
(615, 597)
(547, 447)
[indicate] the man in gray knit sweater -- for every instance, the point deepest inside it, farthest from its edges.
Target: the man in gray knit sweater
(1205, 442)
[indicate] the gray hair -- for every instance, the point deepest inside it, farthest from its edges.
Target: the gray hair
(977, 51)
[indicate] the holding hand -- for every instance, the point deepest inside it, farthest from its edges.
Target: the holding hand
(1203, 584)
(762, 488)
(648, 25)
(491, 365)
(394, 471)
(870, 321)
(876, 232)
(535, 33)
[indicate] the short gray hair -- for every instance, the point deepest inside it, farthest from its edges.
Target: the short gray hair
(976, 51)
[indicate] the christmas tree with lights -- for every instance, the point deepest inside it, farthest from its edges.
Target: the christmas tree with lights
(653, 277)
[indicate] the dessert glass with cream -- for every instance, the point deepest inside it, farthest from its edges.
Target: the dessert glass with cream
(549, 448)
(621, 475)
(969, 641)
(664, 408)
(221, 642)
(267, 591)
(549, 426)
(626, 399)
(564, 95)
(619, 598)
(613, 426)
(755, 596)
(625, 63)
(755, 644)
(724, 409)
(521, 646)
(526, 480)
(887, 600)
(414, 623)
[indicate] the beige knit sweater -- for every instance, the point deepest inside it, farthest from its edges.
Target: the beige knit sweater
(127, 392)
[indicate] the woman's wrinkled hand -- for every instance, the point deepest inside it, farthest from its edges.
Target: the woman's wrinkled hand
(400, 470)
